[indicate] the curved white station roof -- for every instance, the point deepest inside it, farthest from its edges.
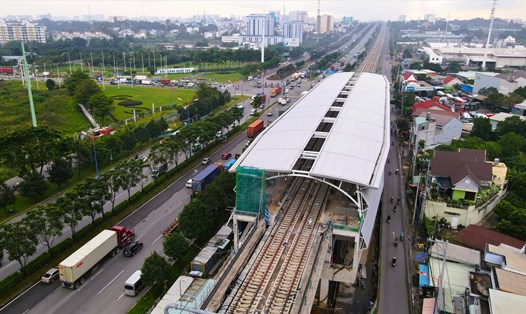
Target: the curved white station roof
(356, 146)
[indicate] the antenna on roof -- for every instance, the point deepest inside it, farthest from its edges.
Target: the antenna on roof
(492, 16)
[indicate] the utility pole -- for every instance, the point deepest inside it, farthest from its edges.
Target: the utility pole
(29, 92)
(440, 296)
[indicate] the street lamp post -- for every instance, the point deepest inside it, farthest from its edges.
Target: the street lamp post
(188, 116)
(94, 152)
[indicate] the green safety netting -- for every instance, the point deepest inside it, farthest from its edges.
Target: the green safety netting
(250, 190)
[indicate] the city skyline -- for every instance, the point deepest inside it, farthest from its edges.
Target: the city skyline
(361, 10)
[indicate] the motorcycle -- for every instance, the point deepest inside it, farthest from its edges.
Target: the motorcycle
(397, 201)
(388, 160)
(396, 243)
(389, 219)
(394, 208)
(393, 262)
(392, 199)
(396, 171)
(402, 236)
(390, 172)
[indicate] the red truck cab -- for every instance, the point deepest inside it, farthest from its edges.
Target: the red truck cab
(124, 235)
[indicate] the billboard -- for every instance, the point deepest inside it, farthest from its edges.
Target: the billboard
(291, 42)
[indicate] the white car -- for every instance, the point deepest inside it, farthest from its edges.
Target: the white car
(286, 91)
(189, 183)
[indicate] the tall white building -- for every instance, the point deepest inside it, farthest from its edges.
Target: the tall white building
(324, 24)
(293, 33)
(23, 31)
(299, 16)
(401, 18)
(257, 23)
(431, 18)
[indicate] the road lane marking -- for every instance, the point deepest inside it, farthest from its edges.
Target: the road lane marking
(26, 311)
(120, 296)
(157, 239)
(91, 278)
(109, 283)
(1, 309)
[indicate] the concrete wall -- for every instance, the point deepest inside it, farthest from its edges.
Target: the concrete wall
(471, 215)
(452, 130)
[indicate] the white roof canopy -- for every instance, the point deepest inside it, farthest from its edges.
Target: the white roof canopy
(350, 112)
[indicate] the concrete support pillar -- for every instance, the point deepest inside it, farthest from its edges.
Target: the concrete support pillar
(324, 292)
(236, 235)
(357, 253)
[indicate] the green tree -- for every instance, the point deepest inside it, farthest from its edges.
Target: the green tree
(511, 144)
(70, 211)
(486, 91)
(155, 270)
(73, 81)
(511, 124)
(482, 128)
(50, 84)
(453, 67)
(187, 224)
(33, 185)
(93, 194)
(258, 100)
(19, 241)
(30, 148)
(86, 89)
(60, 171)
(512, 220)
(175, 246)
(7, 196)
(100, 105)
(46, 223)
(495, 101)
(518, 185)
(129, 175)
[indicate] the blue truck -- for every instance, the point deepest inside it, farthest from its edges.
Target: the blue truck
(204, 177)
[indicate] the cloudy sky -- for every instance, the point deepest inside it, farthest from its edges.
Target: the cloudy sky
(363, 10)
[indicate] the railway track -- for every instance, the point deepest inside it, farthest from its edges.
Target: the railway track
(371, 62)
(279, 253)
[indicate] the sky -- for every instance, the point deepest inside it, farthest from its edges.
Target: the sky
(367, 10)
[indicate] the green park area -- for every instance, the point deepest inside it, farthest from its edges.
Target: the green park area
(127, 97)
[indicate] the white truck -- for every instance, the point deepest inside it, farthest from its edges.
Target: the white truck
(76, 268)
(282, 101)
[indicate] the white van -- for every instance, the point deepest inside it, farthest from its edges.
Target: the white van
(133, 285)
(189, 183)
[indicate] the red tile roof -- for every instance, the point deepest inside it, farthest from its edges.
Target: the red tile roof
(448, 79)
(407, 76)
(429, 104)
(418, 112)
(476, 237)
(458, 165)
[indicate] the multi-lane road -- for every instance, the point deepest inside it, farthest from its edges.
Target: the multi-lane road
(103, 292)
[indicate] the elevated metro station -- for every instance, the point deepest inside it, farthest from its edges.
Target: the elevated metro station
(336, 136)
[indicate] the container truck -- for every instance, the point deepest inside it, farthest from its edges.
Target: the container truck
(275, 92)
(204, 177)
(76, 268)
(254, 128)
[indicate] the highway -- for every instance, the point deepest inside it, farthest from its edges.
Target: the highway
(103, 292)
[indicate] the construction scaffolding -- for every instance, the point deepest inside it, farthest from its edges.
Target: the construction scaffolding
(250, 191)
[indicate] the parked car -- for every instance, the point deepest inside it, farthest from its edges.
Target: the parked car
(50, 276)
(226, 156)
(132, 248)
(206, 161)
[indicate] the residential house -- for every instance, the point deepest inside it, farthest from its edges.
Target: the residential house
(477, 237)
(505, 83)
(434, 126)
(519, 109)
(451, 81)
(465, 187)
(408, 77)
(429, 105)
(501, 116)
